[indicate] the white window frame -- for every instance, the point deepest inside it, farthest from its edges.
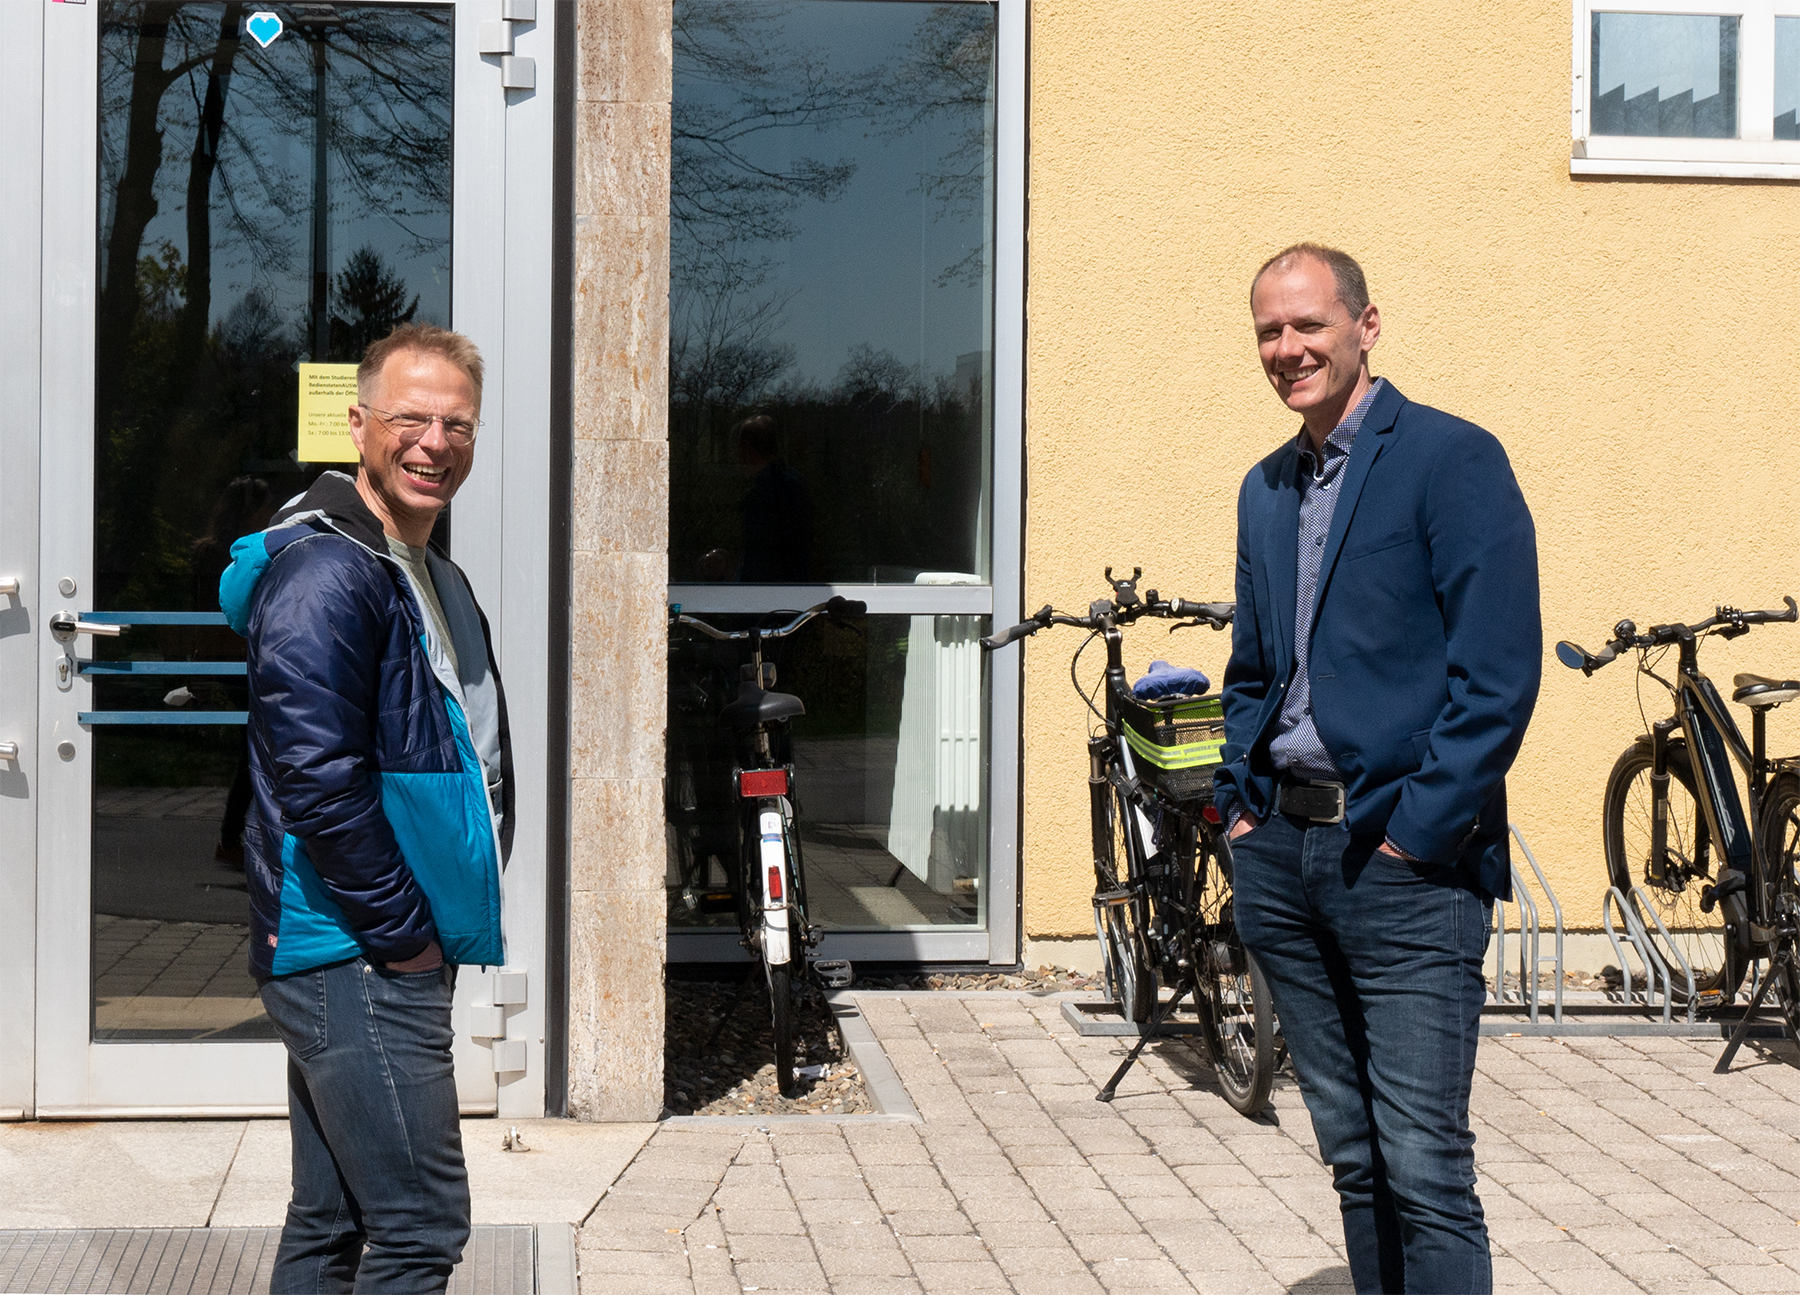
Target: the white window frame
(1755, 155)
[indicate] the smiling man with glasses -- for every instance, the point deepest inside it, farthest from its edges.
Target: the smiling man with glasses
(382, 815)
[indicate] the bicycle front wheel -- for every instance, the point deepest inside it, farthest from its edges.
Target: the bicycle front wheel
(1119, 924)
(1675, 894)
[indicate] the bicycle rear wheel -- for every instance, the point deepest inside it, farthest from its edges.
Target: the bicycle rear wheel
(1243, 1027)
(1675, 897)
(1238, 1013)
(781, 1029)
(1779, 835)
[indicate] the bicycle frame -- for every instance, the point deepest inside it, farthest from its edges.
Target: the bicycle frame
(1713, 739)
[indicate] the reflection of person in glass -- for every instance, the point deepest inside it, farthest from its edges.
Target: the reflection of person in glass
(777, 512)
(244, 508)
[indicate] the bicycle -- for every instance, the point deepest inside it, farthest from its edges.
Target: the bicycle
(769, 885)
(1162, 863)
(1672, 795)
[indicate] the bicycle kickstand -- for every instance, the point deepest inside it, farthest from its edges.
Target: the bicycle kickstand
(1163, 1011)
(1787, 958)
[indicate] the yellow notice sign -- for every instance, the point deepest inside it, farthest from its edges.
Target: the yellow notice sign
(326, 393)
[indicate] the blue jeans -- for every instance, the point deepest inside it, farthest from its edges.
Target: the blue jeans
(377, 1149)
(1375, 968)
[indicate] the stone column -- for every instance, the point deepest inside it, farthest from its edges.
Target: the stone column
(619, 578)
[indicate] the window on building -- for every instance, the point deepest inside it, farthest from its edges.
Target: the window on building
(834, 428)
(1660, 89)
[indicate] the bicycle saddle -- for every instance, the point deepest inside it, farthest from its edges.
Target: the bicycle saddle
(756, 706)
(1756, 692)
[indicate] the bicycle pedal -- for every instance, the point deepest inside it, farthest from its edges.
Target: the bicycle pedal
(833, 973)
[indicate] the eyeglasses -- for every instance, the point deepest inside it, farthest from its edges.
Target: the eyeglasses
(411, 428)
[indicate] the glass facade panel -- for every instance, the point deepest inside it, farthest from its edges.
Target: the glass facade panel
(832, 280)
(1665, 74)
(1787, 78)
(260, 205)
(890, 775)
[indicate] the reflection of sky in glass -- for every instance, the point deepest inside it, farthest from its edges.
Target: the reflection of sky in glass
(1667, 53)
(1787, 66)
(263, 187)
(867, 266)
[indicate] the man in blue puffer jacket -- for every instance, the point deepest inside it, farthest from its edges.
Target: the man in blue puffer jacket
(381, 815)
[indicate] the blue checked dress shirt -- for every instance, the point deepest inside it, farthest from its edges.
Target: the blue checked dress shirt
(1296, 748)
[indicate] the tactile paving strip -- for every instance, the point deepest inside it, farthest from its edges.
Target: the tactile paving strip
(218, 1261)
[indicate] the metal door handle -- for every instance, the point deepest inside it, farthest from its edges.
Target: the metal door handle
(9, 750)
(9, 586)
(66, 625)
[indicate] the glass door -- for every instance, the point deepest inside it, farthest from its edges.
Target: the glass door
(239, 193)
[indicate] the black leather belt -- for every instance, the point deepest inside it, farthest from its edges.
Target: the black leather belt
(1322, 802)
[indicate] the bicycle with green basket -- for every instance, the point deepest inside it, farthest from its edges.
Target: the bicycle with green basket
(1162, 863)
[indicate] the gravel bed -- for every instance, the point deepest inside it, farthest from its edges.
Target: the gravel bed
(733, 1072)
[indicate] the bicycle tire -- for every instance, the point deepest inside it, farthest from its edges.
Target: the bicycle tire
(1699, 935)
(1779, 835)
(1120, 928)
(781, 1027)
(1242, 1021)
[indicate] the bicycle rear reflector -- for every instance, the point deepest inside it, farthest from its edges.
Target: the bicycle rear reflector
(763, 782)
(774, 885)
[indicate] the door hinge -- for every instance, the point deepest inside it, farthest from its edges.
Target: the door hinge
(507, 987)
(516, 73)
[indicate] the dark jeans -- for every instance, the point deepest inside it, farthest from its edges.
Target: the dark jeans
(1375, 968)
(377, 1149)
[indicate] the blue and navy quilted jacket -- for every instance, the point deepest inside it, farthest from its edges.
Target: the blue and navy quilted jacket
(381, 772)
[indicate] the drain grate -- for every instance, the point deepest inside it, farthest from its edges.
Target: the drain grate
(218, 1261)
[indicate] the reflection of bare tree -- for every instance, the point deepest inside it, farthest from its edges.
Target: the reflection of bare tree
(749, 79)
(181, 401)
(389, 107)
(945, 79)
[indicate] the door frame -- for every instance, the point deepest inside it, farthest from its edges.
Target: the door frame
(21, 159)
(501, 289)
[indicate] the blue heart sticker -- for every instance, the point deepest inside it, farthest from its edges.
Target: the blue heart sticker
(263, 27)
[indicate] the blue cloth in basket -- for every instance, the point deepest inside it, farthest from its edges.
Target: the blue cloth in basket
(1165, 680)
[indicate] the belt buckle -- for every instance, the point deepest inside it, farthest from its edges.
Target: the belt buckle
(1337, 788)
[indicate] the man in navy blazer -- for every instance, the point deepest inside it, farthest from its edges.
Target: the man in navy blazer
(1384, 663)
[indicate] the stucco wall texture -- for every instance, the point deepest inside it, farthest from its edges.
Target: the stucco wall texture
(1627, 340)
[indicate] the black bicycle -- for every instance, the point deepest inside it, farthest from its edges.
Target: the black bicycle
(1672, 802)
(768, 885)
(1162, 863)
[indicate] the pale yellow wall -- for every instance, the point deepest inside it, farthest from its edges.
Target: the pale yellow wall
(1613, 333)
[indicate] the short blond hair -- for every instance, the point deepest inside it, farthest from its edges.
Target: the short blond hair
(428, 338)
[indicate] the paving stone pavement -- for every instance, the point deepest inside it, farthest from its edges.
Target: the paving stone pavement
(1606, 1164)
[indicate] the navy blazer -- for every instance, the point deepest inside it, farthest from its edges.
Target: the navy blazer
(1426, 645)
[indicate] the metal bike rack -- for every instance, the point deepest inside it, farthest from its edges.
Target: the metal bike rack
(1637, 937)
(1531, 960)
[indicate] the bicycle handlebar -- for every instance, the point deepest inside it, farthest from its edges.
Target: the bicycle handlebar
(835, 606)
(1126, 607)
(1728, 622)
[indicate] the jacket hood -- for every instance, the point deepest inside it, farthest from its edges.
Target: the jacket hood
(331, 503)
